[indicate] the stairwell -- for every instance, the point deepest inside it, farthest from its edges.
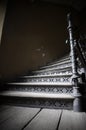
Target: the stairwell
(52, 86)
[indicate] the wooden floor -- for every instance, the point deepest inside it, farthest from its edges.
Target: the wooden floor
(25, 118)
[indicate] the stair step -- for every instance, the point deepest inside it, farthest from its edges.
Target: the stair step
(41, 83)
(60, 68)
(65, 58)
(67, 71)
(36, 95)
(47, 75)
(55, 89)
(56, 64)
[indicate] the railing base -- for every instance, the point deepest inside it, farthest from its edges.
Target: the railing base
(77, 105)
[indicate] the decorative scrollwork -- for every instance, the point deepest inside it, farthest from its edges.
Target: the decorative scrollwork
(44, 89)
(50, 79)
(82, 45)
(62, 104)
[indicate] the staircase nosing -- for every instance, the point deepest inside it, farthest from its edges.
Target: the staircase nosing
(51, 75)
(60, 60)
(36, 95)
(50, 69)
(40, 83)
(56, 64)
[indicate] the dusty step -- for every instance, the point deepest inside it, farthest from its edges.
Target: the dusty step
(54, 102)
(43, 100)
(47, 78)
(58, 69)
(36, 95)
(57, 64)
(53, 74)
(51, 89)
(66, 71)
(65, 58)
(41, 83)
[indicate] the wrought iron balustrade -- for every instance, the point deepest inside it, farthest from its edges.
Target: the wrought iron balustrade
(76, 50)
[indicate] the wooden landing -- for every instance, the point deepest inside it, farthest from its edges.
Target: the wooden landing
(24, 118)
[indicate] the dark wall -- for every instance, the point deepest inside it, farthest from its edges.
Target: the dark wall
(83, 21)
(33, 35)
(3, 5)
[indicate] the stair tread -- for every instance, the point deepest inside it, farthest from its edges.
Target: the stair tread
(54, 68)
(47, 75)
(65, 58)
(56, 64)
(42, 83)
(36, 95)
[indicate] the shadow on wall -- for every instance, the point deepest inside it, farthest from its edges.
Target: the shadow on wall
(33, 35)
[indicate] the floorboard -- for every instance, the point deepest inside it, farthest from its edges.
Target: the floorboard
(73, 121)
(46, 120)
(7, 113)
(25, 118)
(2, 107)
(16, 117)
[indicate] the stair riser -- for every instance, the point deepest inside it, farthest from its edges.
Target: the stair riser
(53, 79)
(45, 79)
(48, 80)
(40, 89)
(43, 103)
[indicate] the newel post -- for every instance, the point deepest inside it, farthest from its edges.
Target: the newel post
(77, 103)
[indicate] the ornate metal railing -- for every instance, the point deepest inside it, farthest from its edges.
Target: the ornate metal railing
(82, 45)
(65, 79)
(78, 51)
(81, 53)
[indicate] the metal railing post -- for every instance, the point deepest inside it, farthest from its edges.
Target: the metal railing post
(77, 103)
